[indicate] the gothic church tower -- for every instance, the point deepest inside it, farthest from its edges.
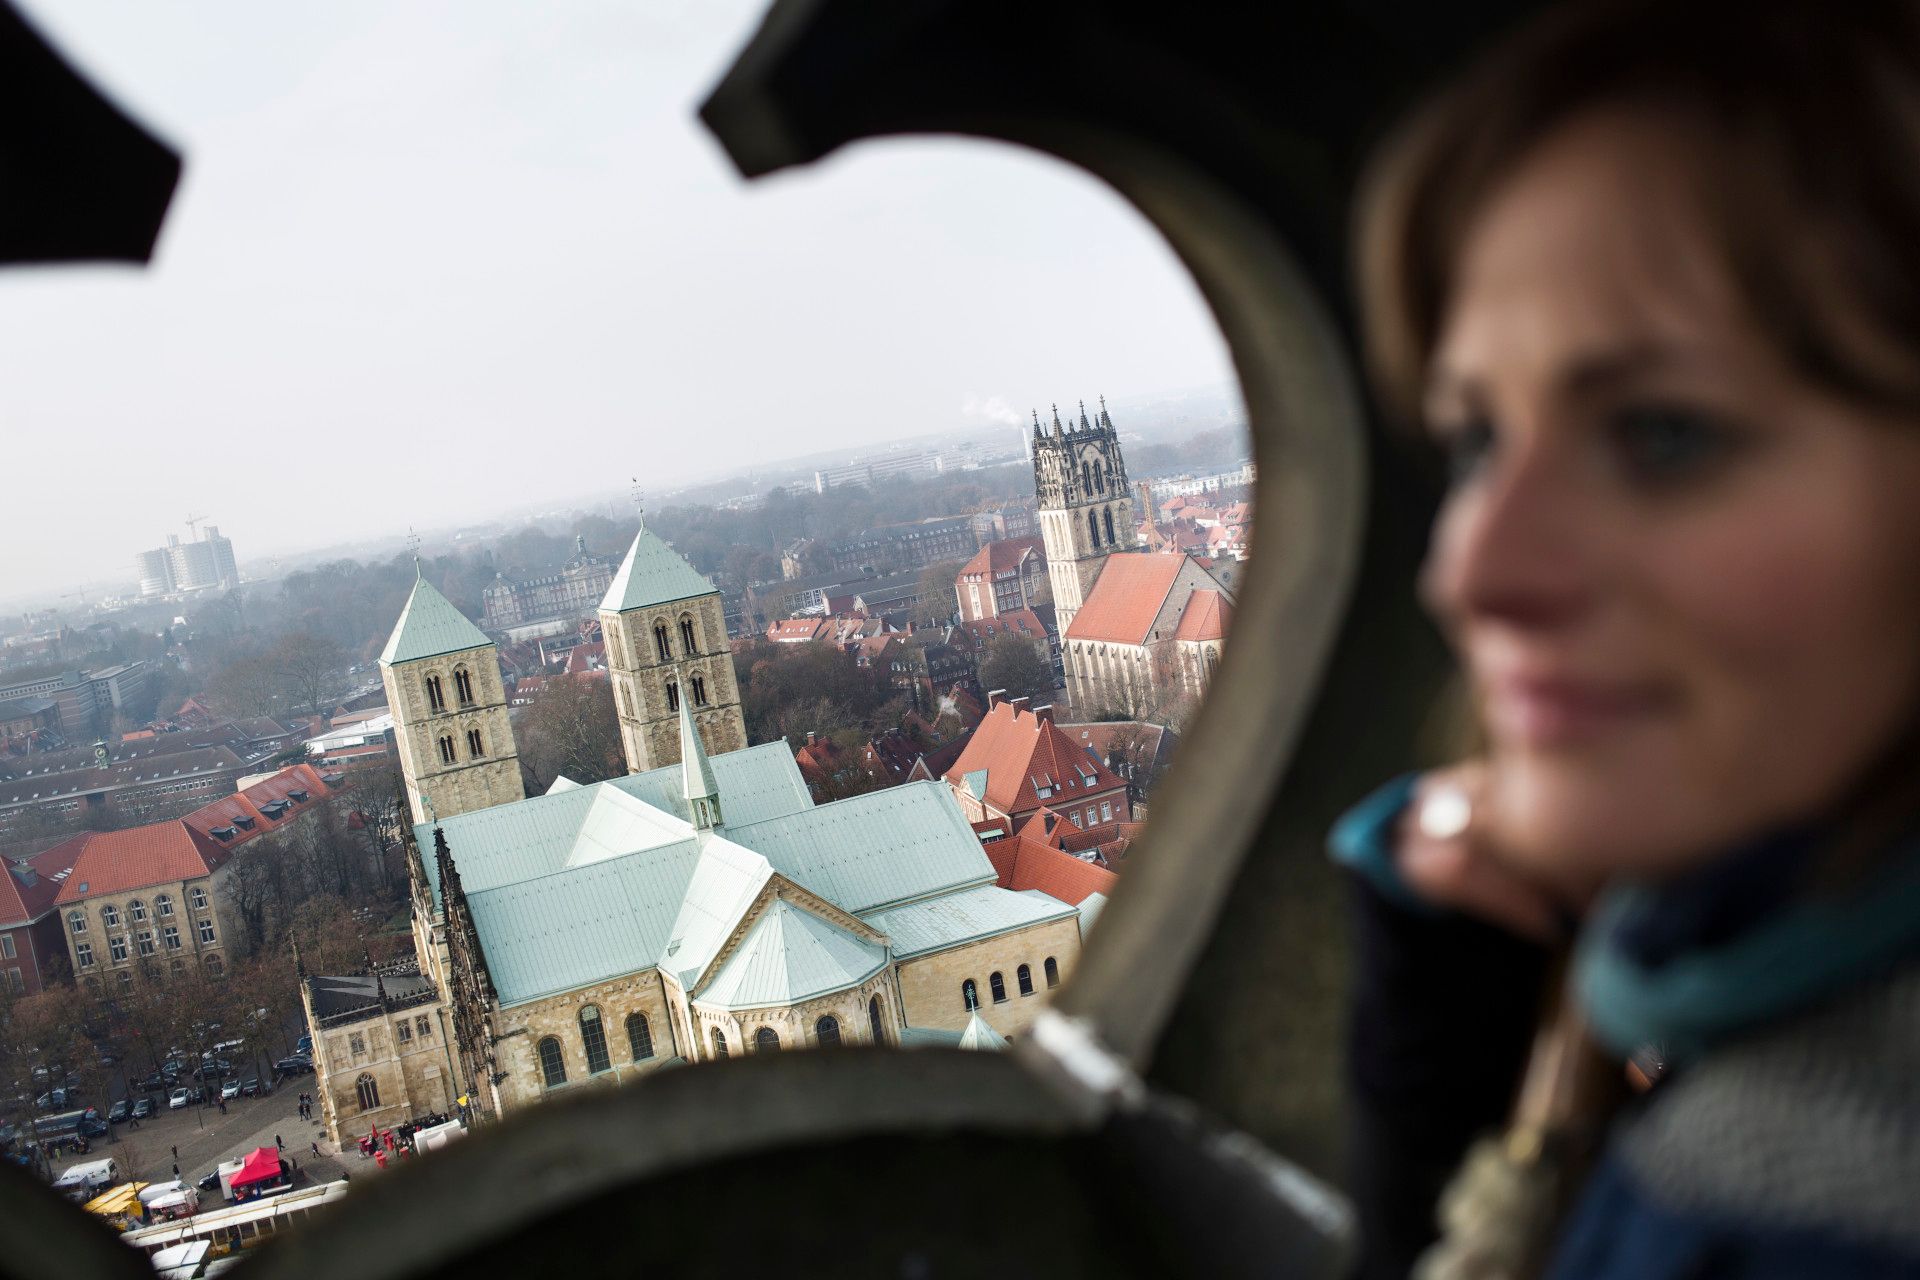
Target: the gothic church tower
(1085, 509)
(449, 707)
(666, 638)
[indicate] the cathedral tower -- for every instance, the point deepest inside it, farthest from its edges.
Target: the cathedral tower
(449, 709)
(666, 639)
(1085, 508)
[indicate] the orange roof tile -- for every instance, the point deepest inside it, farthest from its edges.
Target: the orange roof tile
(1022, 862)
(1126, 598)
(1002, 556)
(1021, 752)
(1207, 617)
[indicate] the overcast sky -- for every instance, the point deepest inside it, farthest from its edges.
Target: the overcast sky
(430, 260)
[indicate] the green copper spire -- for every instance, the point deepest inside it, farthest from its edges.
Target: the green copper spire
(430, 626)
(698, 786)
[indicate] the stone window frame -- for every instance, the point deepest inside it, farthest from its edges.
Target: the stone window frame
(593, 1040)
(997, 984)
(551, 1062)
(1023, 978)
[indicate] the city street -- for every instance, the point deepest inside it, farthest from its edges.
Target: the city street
(205, 1138)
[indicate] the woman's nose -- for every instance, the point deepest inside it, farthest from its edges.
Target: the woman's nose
(1510, 547)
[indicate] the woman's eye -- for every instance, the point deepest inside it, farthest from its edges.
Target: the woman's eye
(1666, 444)
(1466, 445)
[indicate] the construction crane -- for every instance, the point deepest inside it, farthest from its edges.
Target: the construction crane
(81, 594)
(193, 526)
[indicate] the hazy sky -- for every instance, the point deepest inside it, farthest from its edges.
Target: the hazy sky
(429, 260)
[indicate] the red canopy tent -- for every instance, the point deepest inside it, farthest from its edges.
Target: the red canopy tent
(261, 1165)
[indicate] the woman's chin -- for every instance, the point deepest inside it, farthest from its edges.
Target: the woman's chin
(1577, 831)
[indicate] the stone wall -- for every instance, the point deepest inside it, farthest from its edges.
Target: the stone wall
(413, 1077)
(798, 1025)
(522, 1027)
(469, 783)
(649, 725)
(930, 986)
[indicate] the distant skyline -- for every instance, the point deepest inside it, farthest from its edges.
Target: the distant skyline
(432, 262)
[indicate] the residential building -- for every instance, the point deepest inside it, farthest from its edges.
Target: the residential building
(1086, 509)
(204, 563)
(872, 471)
(140, 777)
(666, 644)
(1240, 477)
(896, 547)
(572, 591)
(1035, 624)
(1003, 577)
(1005, 520)
(1137, 750)
(157, 895)
(1018, 762)
(31, 940)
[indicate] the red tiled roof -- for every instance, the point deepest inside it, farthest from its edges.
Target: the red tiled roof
(184, 848)
(1002, 556)
(157, 853)
(1126, 598)
(1206, 617)
(1019, 751)
(1020, 622)
(20, 902)
(796, 630)
(1023, 862)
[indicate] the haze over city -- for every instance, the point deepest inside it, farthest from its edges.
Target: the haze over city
(435, 261)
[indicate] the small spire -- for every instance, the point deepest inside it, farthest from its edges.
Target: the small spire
(1084, 424)
(698, 786)
(1056, 420)
(1036, 424)
(639, 504)
(413, 549)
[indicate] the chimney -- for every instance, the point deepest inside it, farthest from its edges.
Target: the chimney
(809, 737)
(1019, 705)
(1044, 714)
(995, 697)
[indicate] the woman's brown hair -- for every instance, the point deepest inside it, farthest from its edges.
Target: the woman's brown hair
(1808, 116)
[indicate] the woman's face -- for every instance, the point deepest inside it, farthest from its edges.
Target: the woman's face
(1684, 580)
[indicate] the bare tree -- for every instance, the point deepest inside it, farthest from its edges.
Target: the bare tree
(245, 686)
(309, 666)
(571, 729)
(1019, 665)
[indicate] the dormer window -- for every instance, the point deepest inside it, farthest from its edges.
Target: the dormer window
(245, 820)
(298, 797)
(224, 833)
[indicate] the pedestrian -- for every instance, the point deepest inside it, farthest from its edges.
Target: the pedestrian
(316, 1148)
(278, 1143)
(223, 1106)
(176, 1170)
(1663, 330)
(176, 1153)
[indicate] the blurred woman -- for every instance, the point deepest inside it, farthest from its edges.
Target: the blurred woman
(1650, 278)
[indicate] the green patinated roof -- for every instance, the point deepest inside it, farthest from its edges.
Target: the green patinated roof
(872, 851)
(430, 626)
(653, 573)
(543, 834)
(696, 773)
(725, 882)
(965, 916)
(978, 1035)
(788, 956)
(928, 1037)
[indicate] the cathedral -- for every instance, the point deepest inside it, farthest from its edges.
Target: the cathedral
(1141, 632)
(700, 906)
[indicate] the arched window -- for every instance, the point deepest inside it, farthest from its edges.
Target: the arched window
(369, 1090)
(969, 995)
(719, 1043)
(660, 641)
(699, 691)
(77, 921)
(215, 967)
(463, 686)
(687, 642)
(435, 700)
(110, 916)
(1053, 972)
(553, 1067)
(137, 909)
(1093, 526)
(826, 1032)
(163, 905)
(765, 1041)
(1086, 478)
(673, 696)
(476, 746)
(1109, 515)
(874, 1022)
(997, 985)
(1024, 976)
(446, 748)
(639, 1037)
(593, 1038)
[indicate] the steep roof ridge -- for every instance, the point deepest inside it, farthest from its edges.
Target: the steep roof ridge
(652, 573)
(429, 626)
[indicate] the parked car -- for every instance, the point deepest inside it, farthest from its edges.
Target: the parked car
(250, 1086)
(304, 1045)
(211, 1182)
(142, 1108)
(293, 1065)
(57, 1099)
(231, 1089)
(151, 1081)
(179, 1098)
(119, 1111)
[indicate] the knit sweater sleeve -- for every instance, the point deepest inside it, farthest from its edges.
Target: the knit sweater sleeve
(1442, 1016)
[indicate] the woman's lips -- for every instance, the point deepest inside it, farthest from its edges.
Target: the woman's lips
(1562, 710)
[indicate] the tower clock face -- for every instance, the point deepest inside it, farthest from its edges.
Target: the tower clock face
(100, 752)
